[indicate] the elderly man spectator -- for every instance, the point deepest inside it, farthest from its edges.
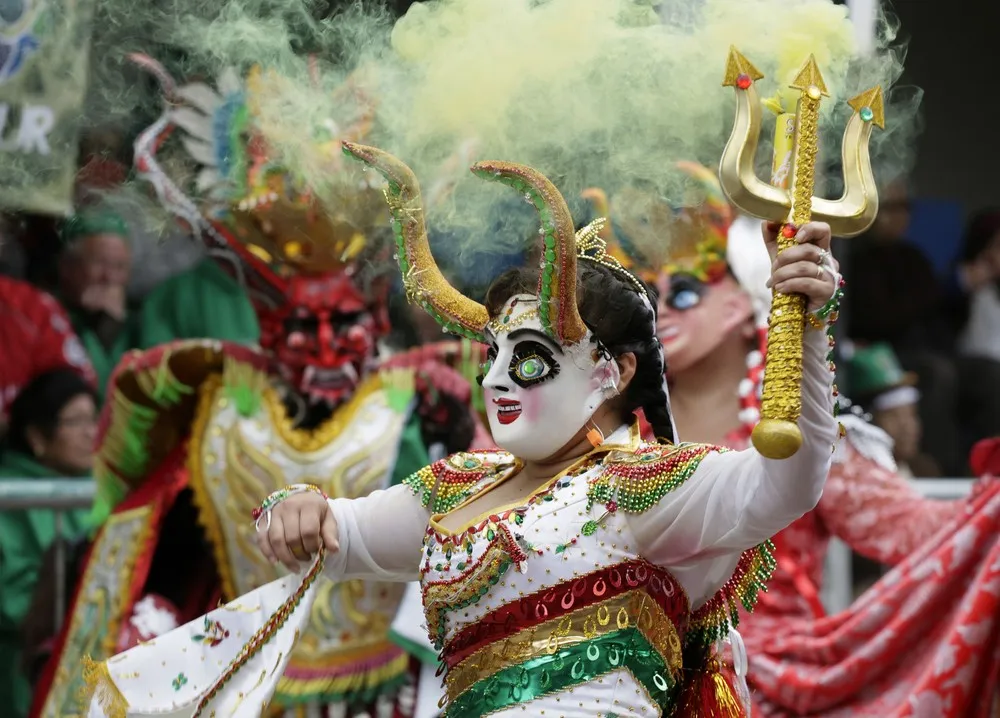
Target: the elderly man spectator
(94, 272)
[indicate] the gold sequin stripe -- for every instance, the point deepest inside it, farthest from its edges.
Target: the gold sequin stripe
(63, 684)
(265, 634)
(464, 590)
(634, 609)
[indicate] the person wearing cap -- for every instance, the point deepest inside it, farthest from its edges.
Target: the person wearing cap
(94, 270)
(878, 383)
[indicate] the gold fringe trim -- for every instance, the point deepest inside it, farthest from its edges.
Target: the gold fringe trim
(207, 518)
(102, 686)
(337, 687)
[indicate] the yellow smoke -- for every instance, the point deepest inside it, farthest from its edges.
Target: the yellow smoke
(591, 92)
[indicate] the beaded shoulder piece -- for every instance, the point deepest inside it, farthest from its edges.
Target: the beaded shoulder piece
(637, 480)
(634, 481)
(452, 480)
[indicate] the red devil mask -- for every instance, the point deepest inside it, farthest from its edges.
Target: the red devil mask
(324, 337)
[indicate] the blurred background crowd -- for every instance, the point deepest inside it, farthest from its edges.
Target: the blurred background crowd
(920, 330)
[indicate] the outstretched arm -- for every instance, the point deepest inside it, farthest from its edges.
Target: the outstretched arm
(374, 537)
(380, 536)
(876, 512)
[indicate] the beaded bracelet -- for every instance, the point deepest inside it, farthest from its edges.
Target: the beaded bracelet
(827, 315)
(264, 510)
(824, 318)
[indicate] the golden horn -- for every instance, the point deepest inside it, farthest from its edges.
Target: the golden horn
(557, 308)
(423, 280)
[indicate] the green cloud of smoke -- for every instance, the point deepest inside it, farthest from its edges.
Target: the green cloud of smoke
(591, 92)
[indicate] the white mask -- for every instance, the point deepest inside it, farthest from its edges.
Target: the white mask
(539, 394)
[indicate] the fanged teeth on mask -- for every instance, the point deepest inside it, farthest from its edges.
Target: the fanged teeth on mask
(322, 377)
(350, 372)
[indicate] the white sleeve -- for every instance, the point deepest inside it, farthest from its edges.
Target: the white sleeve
(381, 536)
(737, 500)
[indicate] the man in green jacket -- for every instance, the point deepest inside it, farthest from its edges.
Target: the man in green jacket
(203, 302)
(94, 272)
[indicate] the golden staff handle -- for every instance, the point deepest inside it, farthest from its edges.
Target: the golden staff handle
(777, 435)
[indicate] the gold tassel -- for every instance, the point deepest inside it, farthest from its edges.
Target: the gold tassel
(728, 704)
(707, 694)
(100, 684)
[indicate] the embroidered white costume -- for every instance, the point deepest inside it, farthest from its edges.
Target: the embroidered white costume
(601, 591)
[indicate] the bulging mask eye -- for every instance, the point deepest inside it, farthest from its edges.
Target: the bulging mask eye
(531, 364)
(686, 292)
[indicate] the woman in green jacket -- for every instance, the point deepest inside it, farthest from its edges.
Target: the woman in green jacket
(53, 425)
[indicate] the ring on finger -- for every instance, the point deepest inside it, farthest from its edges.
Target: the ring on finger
(300, 553)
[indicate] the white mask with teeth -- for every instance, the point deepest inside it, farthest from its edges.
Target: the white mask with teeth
(539, 394)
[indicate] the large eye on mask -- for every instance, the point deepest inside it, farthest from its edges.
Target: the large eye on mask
(686, 292)
(531, 364)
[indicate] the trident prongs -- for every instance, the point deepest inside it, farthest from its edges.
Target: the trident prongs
(847, 216)
(777, 436)
(855, 211)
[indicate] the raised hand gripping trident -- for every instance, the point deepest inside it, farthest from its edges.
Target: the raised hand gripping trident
(777, 436)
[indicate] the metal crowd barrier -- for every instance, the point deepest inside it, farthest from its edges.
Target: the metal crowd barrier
(59, 495)
(62, 495)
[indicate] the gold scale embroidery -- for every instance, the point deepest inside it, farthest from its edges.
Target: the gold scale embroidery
(632, 609)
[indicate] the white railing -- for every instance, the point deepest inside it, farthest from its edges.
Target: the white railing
(838, 586)
(59, 495)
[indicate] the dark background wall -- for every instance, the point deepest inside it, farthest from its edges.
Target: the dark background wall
(954, 54)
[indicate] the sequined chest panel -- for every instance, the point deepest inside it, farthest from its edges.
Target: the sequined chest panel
(548, 596)
(237, 458)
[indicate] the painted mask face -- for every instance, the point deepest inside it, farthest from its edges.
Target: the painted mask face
(325, 337)
(694, 317)
(539, 395)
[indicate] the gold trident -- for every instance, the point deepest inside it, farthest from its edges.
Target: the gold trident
(777, 436)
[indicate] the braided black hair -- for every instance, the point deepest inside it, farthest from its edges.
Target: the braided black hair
(621, 321)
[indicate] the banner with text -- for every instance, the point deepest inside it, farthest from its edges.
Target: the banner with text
(44, 60)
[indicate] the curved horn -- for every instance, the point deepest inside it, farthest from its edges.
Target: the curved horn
(557, 308)
(423, 280)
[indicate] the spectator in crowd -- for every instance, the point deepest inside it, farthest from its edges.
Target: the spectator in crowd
(53, 426)
(978, 278)
(35, 336)
(93, 276)
(880, 385)
(978, 323)
(895, 297)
